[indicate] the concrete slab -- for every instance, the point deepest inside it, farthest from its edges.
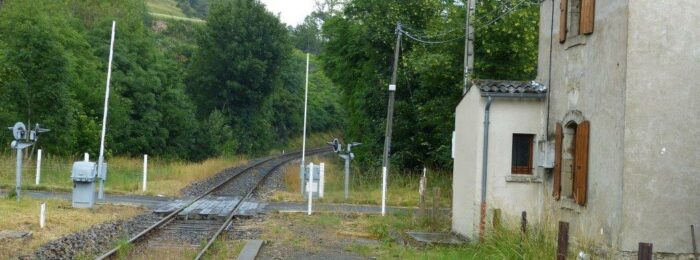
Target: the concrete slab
(436, 238)
(250, 250)
(11, 234)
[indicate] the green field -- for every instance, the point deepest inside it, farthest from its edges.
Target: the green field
(167, 7)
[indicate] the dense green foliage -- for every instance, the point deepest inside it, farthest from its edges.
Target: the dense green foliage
(53, 67)
(358, 57)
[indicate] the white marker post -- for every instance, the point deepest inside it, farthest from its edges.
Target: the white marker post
(38, 167)
(86, 157)
(42, 215)
(383, 191)
(145, 171)
(303, 138)
(101, 159)
(310, 185)
(321, 181)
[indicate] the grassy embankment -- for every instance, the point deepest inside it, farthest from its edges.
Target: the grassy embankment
(165, 177)
(61, 219)
(124, 174)
(365, 186)
(168, 9)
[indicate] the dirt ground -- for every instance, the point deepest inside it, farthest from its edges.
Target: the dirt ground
(298, 236)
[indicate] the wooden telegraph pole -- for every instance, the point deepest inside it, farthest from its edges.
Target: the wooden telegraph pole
(390, 117)
(469, 44)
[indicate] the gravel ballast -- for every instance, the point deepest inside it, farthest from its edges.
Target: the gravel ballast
(96, 239)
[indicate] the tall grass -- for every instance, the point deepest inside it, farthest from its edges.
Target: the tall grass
(365, 186)
(124, 174)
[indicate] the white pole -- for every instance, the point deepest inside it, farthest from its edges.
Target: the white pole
(383, 191)
(145, 171)
(42, 214)
(321, 180)
(100, 161)
(38, 167)
(303, 138)
(86, 157)
(310, 185)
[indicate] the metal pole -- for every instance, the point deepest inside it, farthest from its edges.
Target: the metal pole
(100, 161)
(311, 185)
(390, 116)
(347, 175)
(18, 173)
(303, 138)
(38, 167)
(469, 45)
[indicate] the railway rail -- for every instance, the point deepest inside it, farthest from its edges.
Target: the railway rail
(170, 223)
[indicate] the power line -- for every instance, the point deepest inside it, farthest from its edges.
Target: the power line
(513, 9)
(415, 38)
(445, 33)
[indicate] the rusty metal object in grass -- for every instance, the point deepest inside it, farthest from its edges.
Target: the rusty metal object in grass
(695, 246)
(563, 240)
(523, 223)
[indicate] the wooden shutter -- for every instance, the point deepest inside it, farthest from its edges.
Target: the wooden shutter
(563, 10)
(581, 163)
(587, 16)
(556, 185)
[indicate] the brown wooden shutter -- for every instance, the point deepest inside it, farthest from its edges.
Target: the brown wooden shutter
(587, 16)
(556, 185)
(563, 10)
(581, 163)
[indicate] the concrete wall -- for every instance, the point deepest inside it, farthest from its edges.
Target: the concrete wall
(662, 134)
(508, 116)
(588, 75)
(468, 121)
(512, 196)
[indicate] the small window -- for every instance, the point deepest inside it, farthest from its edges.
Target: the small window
(521, 162)
(571, 161)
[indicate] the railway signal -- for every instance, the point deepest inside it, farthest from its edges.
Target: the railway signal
(348, 156)
(23, 138)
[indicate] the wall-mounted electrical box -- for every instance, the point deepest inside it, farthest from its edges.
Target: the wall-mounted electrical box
(545, 154)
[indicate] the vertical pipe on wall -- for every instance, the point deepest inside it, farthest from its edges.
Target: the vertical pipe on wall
(484, 168)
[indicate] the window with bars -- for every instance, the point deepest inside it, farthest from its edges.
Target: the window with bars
(521, 162)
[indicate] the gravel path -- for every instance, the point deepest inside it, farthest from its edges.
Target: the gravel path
(98, 238)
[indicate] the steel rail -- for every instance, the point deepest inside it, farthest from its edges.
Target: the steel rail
(172, 215)
(230, 217)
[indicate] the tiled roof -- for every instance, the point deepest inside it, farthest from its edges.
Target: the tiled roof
(510, 87)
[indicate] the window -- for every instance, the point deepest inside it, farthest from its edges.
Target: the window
(576, 17)
(521, 162)
(571, 161)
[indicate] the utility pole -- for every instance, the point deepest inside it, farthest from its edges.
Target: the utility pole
(390, 117)
(469, 45)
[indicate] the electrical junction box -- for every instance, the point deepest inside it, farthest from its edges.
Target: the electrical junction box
(84, 175)
(545, 154)
(84, 171)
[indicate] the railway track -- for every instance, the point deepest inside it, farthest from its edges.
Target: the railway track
(171, 228)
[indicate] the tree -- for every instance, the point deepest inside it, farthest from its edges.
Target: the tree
(237, 66)
(358, 57)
